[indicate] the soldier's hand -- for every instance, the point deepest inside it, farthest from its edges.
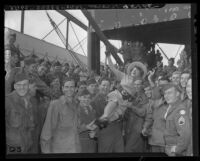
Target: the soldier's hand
(168, 151)
(144, 132)
(151, 73)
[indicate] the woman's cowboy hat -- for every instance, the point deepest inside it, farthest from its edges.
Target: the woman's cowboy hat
(139, 65)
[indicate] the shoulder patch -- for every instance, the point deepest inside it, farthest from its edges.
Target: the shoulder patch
(182, 112)
(181, 120)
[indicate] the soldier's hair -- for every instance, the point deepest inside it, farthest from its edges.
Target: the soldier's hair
(171, 59)
(104, 79)
(69, 79)
(81, 83)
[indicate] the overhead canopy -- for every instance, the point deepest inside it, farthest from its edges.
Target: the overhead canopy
(169, 24)
(115, 18)
(174, 32)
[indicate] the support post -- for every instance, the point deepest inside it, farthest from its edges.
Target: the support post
(93, 46)
(22, 21)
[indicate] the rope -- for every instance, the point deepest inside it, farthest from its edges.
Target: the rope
(53, 29)
(77, 38)
(177, 51)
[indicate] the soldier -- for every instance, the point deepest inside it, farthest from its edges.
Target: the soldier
(19, 117)
(189, 107)
(153, 125)
(86, 116)
(55, 88)
(176, 77)
(183, 82)
(42, 70)
(56, 71)
(92, 87)
(60, 130)
(170, 68)
(134, 120)
(177, 133)
(82, 85)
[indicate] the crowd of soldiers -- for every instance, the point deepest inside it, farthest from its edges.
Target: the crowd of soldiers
(60, 108)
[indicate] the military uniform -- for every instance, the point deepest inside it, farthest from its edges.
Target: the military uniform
(177, 130)
(134, 120)
(169, 70)
(86, 116)
(19, 124)
(60, 130)
(189, 108)
(110, 139)
(155, 125)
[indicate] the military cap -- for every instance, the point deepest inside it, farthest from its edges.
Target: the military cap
(20, 77)
(91, 81)
(84, 92)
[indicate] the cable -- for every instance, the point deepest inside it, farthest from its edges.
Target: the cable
(79, 46)
(77, 38)
(78, 43)
(52, 29)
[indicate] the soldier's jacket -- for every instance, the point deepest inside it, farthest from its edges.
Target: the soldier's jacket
(178, 130)
(151, 106)
(19, 122)
(190, 147)
(9, 81)
(99, 103)
(169, 70)
(60, 130)
(158, 128)
(86, 115)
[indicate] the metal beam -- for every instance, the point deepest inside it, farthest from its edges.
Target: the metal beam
(102, 37)
(22, 21)
(72, 18)
(67, 34)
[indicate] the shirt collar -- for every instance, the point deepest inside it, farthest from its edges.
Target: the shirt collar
(65, 101)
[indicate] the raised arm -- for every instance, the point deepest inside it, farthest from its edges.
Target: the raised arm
(117, 73)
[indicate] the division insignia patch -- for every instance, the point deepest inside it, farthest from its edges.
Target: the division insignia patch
(181, 120)
(182, 112)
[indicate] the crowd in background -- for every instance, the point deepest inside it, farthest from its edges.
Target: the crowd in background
(156, 117)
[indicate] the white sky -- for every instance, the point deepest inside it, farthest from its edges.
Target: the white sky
(38, 25)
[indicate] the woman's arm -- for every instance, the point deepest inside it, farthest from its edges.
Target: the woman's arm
(117, 73)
